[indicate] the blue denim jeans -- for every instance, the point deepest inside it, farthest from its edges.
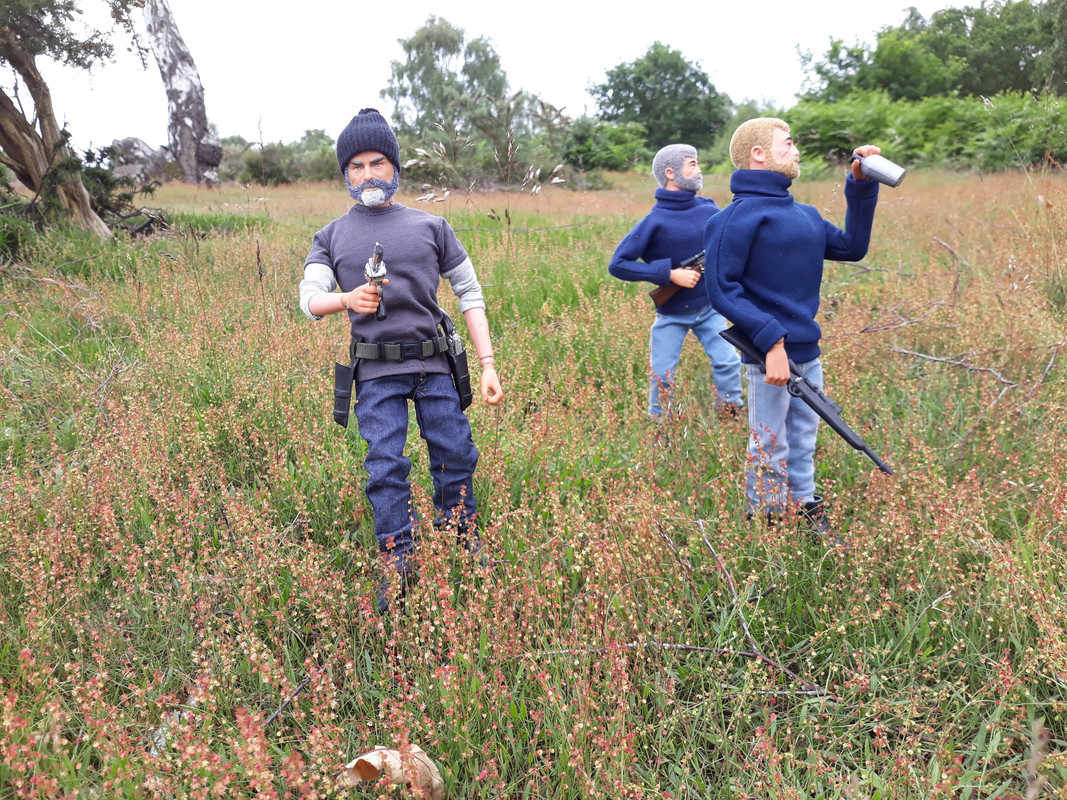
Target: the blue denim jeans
(665, 349)
(381, 410)
(781, 449)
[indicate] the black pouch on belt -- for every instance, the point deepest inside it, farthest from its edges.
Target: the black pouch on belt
(457, 362)
(344, 378)
(344, 383)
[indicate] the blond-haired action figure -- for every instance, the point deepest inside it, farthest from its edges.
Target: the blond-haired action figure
(765, 256)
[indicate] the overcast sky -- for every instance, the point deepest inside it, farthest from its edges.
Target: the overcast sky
(272, 71)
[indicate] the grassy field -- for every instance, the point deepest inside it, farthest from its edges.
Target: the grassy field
(187, 567)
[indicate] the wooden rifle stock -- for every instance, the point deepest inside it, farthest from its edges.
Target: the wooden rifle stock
(661, 294)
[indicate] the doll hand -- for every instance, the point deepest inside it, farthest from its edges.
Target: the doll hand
(491, 391)
(777, 365)
(364, 298)
(865, 150)
(686, 278)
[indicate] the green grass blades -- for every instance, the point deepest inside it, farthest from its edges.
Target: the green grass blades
(188, 570)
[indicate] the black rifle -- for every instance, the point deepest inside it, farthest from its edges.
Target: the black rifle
(801, 387)
(661, 294)
(375, 272)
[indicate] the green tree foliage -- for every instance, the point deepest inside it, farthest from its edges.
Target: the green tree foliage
(311, 158)
(975, 50)
(453, 106)
(671, 97)
(270, 165)
(1053, 61)
(1008, 130)
(436, 85)
(315, 158)
(595, 144)
(31, 141)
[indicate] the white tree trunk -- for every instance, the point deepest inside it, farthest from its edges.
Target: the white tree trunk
(195, 150)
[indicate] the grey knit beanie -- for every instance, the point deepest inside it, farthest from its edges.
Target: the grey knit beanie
(673, 156)
(368, 130)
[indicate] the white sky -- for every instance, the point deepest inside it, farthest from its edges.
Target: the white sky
(271, 71)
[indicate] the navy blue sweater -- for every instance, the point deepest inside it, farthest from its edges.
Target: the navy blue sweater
(669, 234)
(765, 255)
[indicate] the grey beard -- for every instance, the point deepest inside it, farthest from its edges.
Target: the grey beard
(373, 192)
(372, 196)
(694, 184)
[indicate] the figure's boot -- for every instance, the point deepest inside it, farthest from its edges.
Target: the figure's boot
(467, 536)
(813, 513)
(396, 571)
(770, 518)
(383, 596)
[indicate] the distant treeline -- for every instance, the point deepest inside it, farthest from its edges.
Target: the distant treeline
(974, 88)
(1010, 129)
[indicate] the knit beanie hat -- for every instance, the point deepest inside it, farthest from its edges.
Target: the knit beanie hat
(368, 130)
(673, 156)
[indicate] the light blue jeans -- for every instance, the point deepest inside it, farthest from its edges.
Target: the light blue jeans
(781, 449)
(665, 350)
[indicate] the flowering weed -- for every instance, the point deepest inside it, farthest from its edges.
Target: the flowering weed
(187, 568)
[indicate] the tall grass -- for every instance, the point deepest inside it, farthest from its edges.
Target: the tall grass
(187, 566)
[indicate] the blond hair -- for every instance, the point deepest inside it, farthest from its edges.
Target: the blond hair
(757, 132)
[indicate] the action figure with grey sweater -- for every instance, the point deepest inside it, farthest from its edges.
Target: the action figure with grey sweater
(402, 355)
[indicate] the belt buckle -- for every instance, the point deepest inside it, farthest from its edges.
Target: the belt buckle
(411, 349)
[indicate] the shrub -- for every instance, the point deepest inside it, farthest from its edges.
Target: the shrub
(1008, 130)
(15, 233)
(270, 165)
(604, 145)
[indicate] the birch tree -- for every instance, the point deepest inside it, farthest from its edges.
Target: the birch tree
(194, 148)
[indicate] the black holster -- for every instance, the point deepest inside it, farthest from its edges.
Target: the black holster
(457, 362)
(344, 379)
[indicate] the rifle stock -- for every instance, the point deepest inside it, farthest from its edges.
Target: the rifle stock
(661, 294)
(799, 386)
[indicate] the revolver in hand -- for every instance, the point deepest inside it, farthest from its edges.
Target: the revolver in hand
(661, 294)
(375, 272)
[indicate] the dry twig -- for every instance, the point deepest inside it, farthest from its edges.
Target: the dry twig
(816, 691)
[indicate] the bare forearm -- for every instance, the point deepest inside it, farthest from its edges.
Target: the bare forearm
(478, 326)
(323, 304)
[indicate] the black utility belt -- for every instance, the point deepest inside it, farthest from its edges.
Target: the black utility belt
(450, 344)
(398, 351)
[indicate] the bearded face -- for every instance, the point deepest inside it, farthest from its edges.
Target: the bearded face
(693, 183)
(373, 191)
(790, 167)
(371, 178)
(783, 156)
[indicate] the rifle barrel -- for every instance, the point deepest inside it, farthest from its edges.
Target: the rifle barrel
(799, 386)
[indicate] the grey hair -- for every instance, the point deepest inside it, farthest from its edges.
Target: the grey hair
(673, 156)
